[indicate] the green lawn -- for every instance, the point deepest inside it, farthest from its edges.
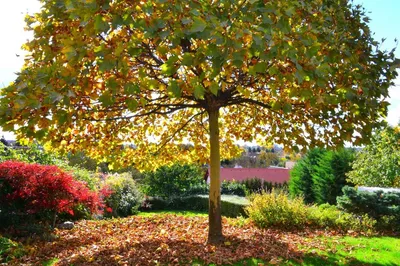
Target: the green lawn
(355, 251)
(346, 250)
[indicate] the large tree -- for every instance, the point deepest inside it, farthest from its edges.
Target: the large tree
(101, 73)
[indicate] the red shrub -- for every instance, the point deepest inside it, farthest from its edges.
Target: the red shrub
(37, 188)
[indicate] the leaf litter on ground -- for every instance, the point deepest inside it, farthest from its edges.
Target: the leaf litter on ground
(169, 240)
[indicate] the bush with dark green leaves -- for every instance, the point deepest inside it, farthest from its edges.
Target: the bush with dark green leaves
(171, 181)
(330, 177)
(231, 206)
(197, 189)
(301, 176)
(320, 176)
(233, 188)
(383, 206)
(253, 185)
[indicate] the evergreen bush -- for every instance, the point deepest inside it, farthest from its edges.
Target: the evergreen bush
(383, 206)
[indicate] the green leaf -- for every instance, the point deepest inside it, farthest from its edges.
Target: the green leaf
(273, 70)
(117, 20)
(131, 88)
(100, 25)
(55, 96)
(133, 51)
(260, 67)
(199, 91)
(174, 89)
(313, 50)
(70, 52)
(300, 74)
(214, 88)
(287, 108)
(61, 117)
(276, 106)
(112, 84)
(187, 59)
(198, 25)
(132, 104)
(106, 99)
(167, 69)
(106, 65)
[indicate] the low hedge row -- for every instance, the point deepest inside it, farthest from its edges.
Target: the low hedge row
(231, 206)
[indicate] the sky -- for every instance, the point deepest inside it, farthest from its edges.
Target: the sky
(384, 14)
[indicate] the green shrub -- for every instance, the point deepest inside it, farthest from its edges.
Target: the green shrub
(9, 250)
(197, 189)
(384, 207)
(171, 181)
(233, 188)
(91, 179)
(276, 209)
(253, 185)
(329, 216)
(125, 198)
(231, 206)
(153, 204)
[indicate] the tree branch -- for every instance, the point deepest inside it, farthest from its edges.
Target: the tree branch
(178, 130)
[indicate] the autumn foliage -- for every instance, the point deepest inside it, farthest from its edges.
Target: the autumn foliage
(37, 189)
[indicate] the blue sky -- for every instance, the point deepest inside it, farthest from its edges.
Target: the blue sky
(384, 14)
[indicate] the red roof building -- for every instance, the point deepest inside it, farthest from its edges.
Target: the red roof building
(273, 175)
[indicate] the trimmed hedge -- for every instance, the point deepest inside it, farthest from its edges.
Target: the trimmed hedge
(231, 206)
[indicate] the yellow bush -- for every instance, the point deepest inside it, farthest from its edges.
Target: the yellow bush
(276, 209)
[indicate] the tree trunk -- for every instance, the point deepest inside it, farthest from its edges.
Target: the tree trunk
(214, 212)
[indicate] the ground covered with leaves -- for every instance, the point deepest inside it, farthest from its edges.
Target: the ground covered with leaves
(169, 239)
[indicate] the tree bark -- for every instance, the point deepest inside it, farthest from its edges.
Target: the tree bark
(214, 210)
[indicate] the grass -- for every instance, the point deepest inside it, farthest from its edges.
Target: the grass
(354, 251)
(374, 251)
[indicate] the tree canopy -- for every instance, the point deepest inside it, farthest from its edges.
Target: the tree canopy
(100, 74)
(284, 70)
(378, 164)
